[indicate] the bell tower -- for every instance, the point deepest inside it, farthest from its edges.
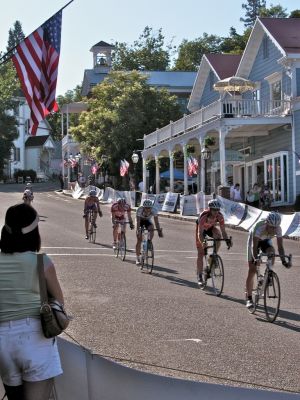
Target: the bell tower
(102, 57)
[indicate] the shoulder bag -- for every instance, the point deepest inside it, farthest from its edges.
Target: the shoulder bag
(54, 318)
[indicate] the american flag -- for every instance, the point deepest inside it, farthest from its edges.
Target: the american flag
(192, 166)
(36, 61)
(94, 169)
(124, 165)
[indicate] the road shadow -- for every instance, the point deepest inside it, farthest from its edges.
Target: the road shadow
(172, 278)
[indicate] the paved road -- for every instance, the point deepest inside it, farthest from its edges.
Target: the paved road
(164, 323)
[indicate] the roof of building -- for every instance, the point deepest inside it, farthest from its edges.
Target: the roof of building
(286, 31)
(169, 79)
(36, 141)
(225, 65)
(103, 44)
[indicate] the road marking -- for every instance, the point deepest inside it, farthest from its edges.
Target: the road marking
(184, 340)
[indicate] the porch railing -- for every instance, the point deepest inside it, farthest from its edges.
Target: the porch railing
(216, 110)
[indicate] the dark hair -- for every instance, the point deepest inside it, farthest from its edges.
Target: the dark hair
(12, 238)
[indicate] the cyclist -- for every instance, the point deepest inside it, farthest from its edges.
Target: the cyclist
(260, 238)
(91, 203)
(206, 226)
(118, 211)
(27, 196)
(144, 216)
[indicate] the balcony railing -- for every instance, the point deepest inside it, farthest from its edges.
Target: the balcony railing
(216, 110)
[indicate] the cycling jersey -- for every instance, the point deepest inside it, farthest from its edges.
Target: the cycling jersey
(91, 203)
(207, 221)
(120, 211)
(140, 212)
(260, 231)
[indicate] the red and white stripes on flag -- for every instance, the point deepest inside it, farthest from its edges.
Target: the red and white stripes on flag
(192, 166)
(124, 166)
(94, 169)
(36, 61)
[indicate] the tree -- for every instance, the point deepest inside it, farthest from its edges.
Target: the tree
(8, 123)
(146, 53)
(253, 8)
(54, 119)
(274, 12)
(235, 43)
(123, 108)
(15, 36)
(295, 14)
(191, 52)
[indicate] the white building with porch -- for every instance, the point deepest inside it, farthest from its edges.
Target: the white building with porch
(257, 131)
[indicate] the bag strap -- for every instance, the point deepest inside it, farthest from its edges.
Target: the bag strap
(42, 279)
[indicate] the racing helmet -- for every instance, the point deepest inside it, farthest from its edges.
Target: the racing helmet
(93, 192)
(147, 203)
(121, 201)
(27, 193)
(214, 204)
(273, 219)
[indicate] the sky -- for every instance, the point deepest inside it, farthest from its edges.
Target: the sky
(86, 22)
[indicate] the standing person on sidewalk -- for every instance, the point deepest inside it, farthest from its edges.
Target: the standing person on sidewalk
(28, 361)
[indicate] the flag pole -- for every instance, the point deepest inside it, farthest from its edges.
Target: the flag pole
(14, 48)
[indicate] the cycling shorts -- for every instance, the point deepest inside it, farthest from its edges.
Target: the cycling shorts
(209, 232)
(263, 246)
(145, 223)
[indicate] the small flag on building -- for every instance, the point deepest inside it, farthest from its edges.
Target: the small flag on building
(124, 165)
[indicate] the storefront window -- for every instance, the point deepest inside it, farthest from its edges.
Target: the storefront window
(276, 177)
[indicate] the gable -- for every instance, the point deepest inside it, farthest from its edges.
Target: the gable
(259, 32)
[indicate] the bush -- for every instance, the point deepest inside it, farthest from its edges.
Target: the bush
(23, 173)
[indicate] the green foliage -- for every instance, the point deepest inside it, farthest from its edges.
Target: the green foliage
(54, 119)
(191, 52)
(274, 12)
(146, 53)
(15, 36)
(235, 43)
(123, 109)
(253, 9)
(295, 14)
(8, 130)
(24, 173)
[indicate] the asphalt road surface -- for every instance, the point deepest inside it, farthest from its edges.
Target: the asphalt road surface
(162, 322)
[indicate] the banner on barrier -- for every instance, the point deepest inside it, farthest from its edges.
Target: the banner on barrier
(293, 229)
(170, 202)
(188, 205)
(232, 211)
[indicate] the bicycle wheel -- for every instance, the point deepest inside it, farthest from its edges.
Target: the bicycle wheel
(122, 246)
(272, 296)
(150, 256)
(217, 274)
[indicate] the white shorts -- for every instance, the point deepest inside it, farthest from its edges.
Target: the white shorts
(25, 353)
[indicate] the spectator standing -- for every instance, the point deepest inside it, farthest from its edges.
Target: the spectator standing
(253, 196)
(266, 198)
(81, 180)
(236, 193)
(28, 361)
(61, 181)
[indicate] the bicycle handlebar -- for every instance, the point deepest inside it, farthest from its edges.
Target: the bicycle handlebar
(228, 241)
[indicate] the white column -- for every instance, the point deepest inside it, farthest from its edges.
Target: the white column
(157, 177)
(144, 175)
(186, 191)
(171, 156)
(202, 168)
(222, 135)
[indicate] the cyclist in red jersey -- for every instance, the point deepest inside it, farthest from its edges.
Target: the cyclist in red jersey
(118, 211)
(206, 226)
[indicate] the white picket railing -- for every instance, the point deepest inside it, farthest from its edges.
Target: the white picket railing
(219, 109)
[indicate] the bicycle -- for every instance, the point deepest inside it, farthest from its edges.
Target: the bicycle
(268, 287)
(214, 269)
(92, 226)
(147, 253)
(120, 248)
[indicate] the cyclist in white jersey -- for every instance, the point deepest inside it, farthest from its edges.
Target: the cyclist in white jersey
(144, 215)
(260, 239)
